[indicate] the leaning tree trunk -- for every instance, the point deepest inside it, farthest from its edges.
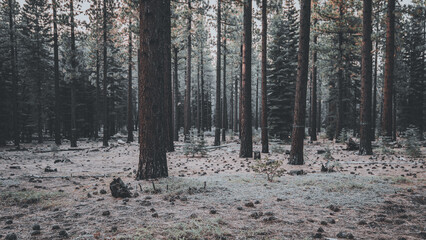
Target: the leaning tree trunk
(168, 115)
(56, 74)
(73, 66)
(217, 107)
(264, 113)
(187, 107)
(129, 91)
(366, 75)
(246, 147)
(152, 155)
(296, 153)
(389, 65)
(105, 73)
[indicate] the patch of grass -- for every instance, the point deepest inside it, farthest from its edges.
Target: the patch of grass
(399, 180)
(12, 198)
(194, 229)
(346, 186)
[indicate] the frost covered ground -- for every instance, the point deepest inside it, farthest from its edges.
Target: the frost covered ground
(215, 197)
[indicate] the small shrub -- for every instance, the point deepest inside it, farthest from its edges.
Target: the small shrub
(384, 145)
(195, 145)
(412, 145)
(269, 167)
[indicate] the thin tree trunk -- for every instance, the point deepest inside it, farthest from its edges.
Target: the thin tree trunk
(187, 107)
(296, 153)
(175, 97)
(231, 102)
(313, 115)
(198, 98)
(389, 65)
(340, 76)
(98, 94)
(217, 107)
(129, 91)
(56, 74)
(246, 147)
(105, 73)
(13, 58)
(73, 66)
(264, 114)
(236, 105)
(202, 123)
(256, 115)
(224, 103)
(374, 111)
(152, 156)
(168, 118)
(366, 75)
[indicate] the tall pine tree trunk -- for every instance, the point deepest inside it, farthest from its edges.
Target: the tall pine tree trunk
(13, 59)
(73, 66)
(264, 114)
(168, 108)
(374, 108)
(105, 80)
(246, 147)
(256, 115)
(224, 103)
(129, 90)
(152, 155)
(56, 74)
(187, 107)
(366, 75)
(296, 153)
(236, 105)
(202, 116)
(217, 107)
(175, 97)
(313, 115)
(389, 65)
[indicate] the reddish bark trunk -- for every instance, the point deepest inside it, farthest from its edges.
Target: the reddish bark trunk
(296, 153)
(152, 157)
(366, 79)
(246, 147)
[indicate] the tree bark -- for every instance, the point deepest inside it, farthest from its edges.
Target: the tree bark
(105, 73)
(246, 147)
(313, 115)
(389, 65)
(129, 91)
(175, 97)
(264, 116)
(256, 115)
(374, 109)
(218, 69)
(224, 101)
(56, 74)
(152, 156)
(202, 122)
(366, 75)
(168, 118)
(73, 66)
(13, 58)
(296, 153)
(236, 105)
(187, 107)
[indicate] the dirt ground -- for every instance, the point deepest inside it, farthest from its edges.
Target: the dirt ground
(214, 197)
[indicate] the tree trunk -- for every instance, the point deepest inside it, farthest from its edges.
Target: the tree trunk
(296, 153)
(168, 118)
(389, 65)
(313, 115)
(175, 97)
(256, 115)
(374, 110)
(217, 107)
(224, 103)
(129, 91)
(73, 66)
(198, 125)
(56, 75)
(246, 147)
(187, 107)
(105, 73)
(231, 103)
(366, 75)
(264, 113)
(236, 105)
(340, 76)
(13, 58)
(98, 94)
(152, 157)
(202, 116)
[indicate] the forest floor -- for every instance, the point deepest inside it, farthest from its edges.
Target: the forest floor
(214, 197)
